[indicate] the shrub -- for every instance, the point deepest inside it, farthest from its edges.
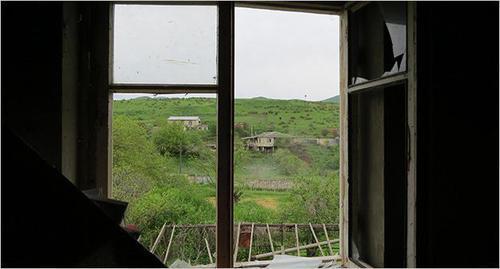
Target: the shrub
(182, 204)
(313, 199)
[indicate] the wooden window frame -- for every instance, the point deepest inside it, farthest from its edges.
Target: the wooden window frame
(410, 78)
(224, 88)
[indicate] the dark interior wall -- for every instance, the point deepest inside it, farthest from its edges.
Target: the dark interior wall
(31, 74)
(457, 165)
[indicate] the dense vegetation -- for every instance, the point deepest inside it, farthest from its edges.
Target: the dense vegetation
(156, 164)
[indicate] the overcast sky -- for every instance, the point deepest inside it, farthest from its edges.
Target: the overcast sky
(278, 54)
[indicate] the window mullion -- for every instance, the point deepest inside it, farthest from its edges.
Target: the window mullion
(225, 119)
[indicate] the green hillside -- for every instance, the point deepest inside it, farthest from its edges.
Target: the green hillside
(335, 99)
(167, 174)
(295, 117)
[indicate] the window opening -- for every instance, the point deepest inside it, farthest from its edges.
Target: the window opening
(286, 135)
(164, 166)
(164, 127)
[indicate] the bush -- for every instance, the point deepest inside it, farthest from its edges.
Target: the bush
(175, 205)
(314, 199)
(289, 164)
(249, 211)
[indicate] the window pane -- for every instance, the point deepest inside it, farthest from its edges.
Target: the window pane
(377, 176)
(377, 41)
(286, 152)
(155, 44)
(164, 166)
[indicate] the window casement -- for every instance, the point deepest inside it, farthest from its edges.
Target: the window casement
(378, 133)
(219, 60)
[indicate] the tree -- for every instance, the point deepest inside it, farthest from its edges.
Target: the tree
(173, 140)
(136, 163)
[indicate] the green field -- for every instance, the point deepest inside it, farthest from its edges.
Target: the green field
(156, 165)
(287, 116)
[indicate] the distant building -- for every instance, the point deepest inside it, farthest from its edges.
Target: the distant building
(327, 141)
(189, 122)
(264, 142)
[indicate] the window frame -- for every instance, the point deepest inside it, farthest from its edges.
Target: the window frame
(224, 88)
(410, 78)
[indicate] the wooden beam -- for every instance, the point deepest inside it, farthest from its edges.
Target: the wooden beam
(208, 250)
(237, 243)
(162, 88)
(225, 125)
(251, 242)
(312, 245)
(169, 244)
(158, 238)
(343, 154)
(333, 227)
(298, 6)
(380, 82)
(328, 240)
(411, 231)
(297, 239)
(270, 238)
(317, 241)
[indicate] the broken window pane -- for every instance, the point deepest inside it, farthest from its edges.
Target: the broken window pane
(377, 41)
(171, 44)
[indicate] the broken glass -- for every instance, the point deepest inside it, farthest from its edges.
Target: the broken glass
(377, 41)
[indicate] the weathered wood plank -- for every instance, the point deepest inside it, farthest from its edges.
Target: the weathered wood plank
(343, 152)
(251, 243)
(297, 239)
(312, 245)
(158, 238)
(237, 243)
(328, 240)
(270, 238)
(169, 244)
(317, 241)
(208, 251)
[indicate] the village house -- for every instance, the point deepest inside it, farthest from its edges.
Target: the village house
(264, 142)
(189, 122)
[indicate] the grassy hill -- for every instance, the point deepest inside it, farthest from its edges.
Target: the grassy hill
(335, 99)
(295, 117)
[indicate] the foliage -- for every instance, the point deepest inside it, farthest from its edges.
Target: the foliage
(314, 199)
(171, 138)
(148, 152)
(256, 114)
(185, 203)
(289, 164)
(136, 164)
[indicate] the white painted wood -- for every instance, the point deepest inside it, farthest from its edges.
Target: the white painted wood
(383, 81)
(344, 165)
